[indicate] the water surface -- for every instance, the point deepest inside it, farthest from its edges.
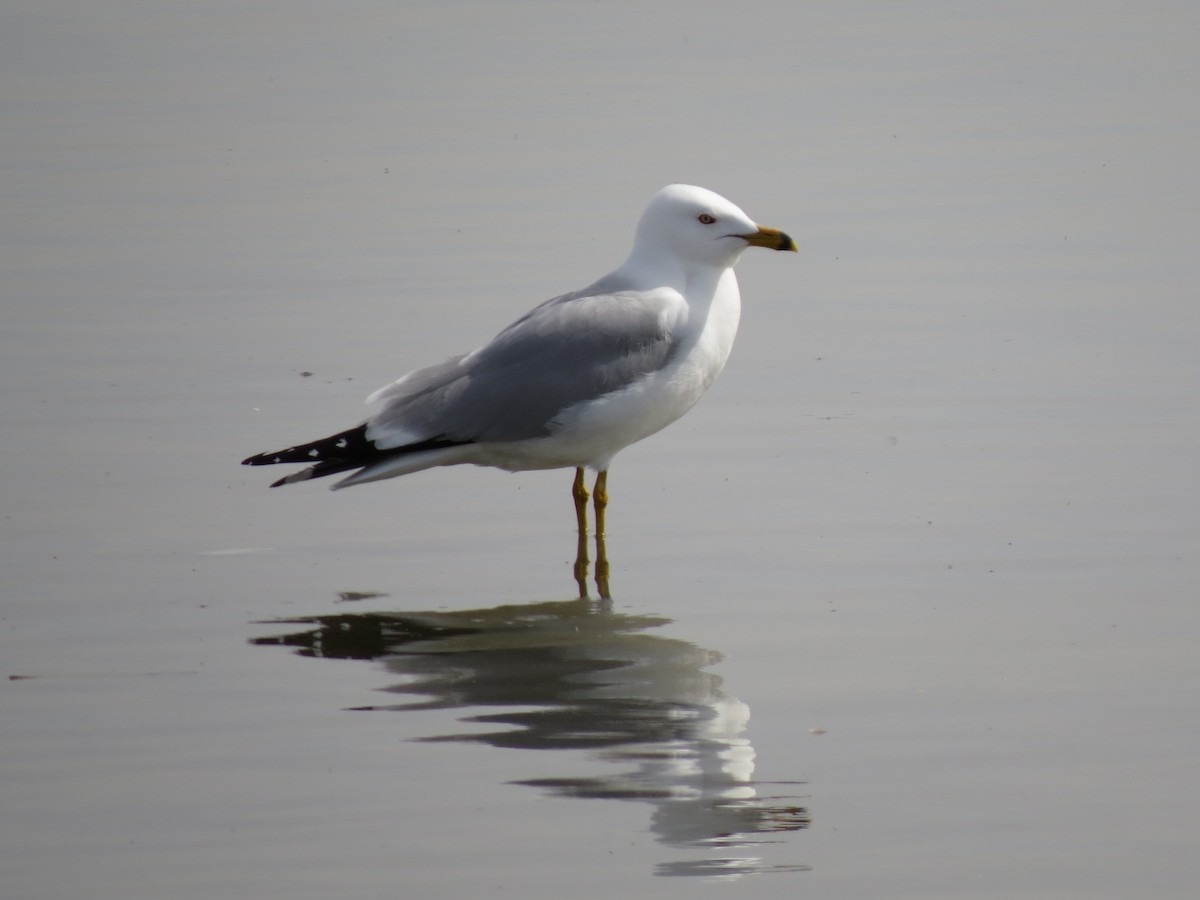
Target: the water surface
(905, 608)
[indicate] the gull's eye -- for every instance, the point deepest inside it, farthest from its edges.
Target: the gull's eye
(705, 219)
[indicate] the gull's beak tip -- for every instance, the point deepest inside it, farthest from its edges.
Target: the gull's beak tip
(786, 243)
(771, 239)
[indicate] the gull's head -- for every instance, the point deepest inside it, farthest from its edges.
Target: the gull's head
(697, 226)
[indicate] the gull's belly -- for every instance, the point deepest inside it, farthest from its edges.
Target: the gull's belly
(591, 433)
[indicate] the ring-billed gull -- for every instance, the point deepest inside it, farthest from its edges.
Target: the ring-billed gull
(576, 379)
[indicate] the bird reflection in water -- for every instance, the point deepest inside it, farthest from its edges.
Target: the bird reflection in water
(576, 675)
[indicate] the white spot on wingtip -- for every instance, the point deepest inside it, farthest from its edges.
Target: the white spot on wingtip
(314, 452)
(341, 444)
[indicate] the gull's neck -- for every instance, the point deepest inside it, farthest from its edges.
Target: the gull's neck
(646, 269)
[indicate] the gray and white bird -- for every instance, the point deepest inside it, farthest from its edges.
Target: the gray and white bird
(576, 379)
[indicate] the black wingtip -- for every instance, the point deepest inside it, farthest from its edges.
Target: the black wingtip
(339, 453)
(267, 459)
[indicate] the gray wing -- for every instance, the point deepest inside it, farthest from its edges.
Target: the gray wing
(572, 348)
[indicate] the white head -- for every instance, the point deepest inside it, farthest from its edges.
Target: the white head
(696, 226)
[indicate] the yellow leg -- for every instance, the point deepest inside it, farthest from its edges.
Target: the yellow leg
(600, 498)
(600, 495)
(580, 492)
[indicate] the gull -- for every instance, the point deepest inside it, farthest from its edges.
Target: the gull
(576, 379)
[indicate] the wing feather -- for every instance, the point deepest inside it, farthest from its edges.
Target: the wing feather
(569, 349)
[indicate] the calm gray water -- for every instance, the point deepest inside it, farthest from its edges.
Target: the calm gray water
(907, 607)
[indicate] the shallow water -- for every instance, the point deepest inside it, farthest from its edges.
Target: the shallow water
(905, 607)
